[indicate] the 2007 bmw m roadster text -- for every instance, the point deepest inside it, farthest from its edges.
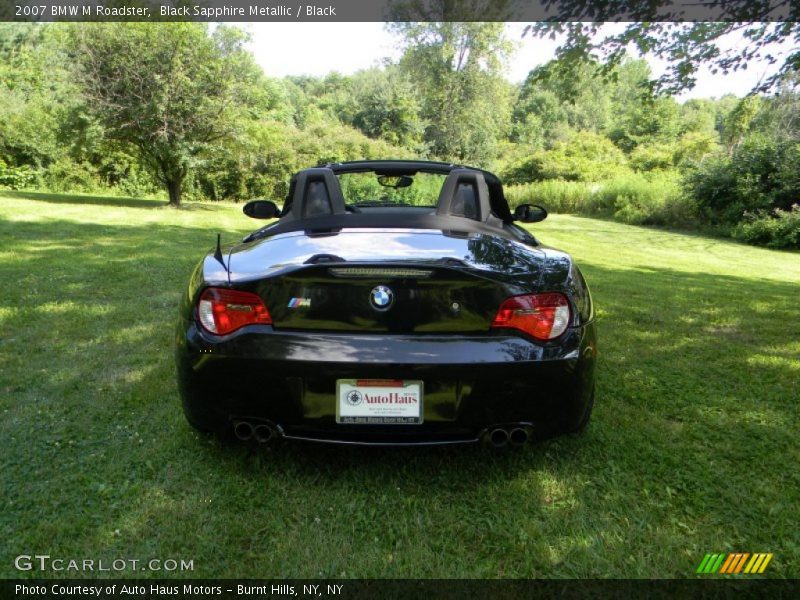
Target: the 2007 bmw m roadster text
(393, 302)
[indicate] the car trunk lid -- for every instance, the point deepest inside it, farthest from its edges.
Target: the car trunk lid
(386, 281)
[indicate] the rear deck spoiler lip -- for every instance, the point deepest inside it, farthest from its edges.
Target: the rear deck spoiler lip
(332, 224)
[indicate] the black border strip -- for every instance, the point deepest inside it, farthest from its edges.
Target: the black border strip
(386, 589)
(399, 10)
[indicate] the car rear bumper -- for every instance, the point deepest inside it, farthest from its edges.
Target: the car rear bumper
(472, 384)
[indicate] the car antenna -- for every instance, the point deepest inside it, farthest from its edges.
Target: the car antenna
(218, 255)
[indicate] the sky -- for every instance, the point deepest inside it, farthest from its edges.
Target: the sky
(319, 48)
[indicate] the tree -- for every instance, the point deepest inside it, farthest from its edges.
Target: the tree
(738, 122)
(686, 46)
(170, 90)
(573, 96)
(388, 107)
(553, 101)
(457, 68)
(34, 96)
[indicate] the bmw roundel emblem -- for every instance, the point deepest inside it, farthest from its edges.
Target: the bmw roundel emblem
(381, 297)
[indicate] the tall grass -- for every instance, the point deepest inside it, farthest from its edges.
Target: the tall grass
(654, 198)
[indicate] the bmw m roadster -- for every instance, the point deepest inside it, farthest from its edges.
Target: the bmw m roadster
(391, 302)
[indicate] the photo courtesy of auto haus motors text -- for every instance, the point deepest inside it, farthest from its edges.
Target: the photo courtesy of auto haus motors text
(150, 590)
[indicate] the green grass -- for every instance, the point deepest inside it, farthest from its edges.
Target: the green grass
(693, 446)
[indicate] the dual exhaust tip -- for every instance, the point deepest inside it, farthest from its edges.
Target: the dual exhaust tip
(516, 436)
(250, 430)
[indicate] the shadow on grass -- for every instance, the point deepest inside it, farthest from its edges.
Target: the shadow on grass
(696, 399)
(55, 198)
(691, 237)
(112, 201)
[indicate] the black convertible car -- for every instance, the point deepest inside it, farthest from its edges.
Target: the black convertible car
(393, 302)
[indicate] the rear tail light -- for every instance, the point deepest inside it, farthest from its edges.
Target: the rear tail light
(221, 311)
(543, 316)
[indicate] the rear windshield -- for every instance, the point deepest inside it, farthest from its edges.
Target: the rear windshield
(370, 189)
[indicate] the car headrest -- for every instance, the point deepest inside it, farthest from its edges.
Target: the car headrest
(316, 193)
(464, 194)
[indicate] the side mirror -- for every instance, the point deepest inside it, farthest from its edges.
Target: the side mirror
(530, 213)
(261, 209)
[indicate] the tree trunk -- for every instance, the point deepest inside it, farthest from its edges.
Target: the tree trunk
(174, 189)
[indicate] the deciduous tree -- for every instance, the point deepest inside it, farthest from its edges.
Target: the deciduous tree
(769, 31)
(171, 90)
(457, 68)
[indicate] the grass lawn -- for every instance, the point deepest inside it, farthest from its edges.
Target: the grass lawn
(693, 446)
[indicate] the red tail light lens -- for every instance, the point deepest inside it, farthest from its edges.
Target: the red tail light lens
(221, 311)
(543, 316)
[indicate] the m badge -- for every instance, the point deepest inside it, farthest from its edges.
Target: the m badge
(299, 303)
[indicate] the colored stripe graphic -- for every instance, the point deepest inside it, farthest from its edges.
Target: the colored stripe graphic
(734, 562)
(765, 563)
(704, 564)
(710, 563)
(753, 560)
(740, 564)
(727, 564)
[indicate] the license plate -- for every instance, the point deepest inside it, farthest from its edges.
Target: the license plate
(378, 402)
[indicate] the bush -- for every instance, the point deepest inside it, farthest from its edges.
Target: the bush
(653, 157)
(635, 198)
(138, 184)
(585, 156)
(260, 163)
(16, 177)
(654, 199)
(761, 175)
(124, 173)
(556, 196)
(65, 175)
(781, 229)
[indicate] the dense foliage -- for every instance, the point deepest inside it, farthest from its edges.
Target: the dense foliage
(96, 108)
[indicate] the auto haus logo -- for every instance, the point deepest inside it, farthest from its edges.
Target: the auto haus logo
(379, 396)
(390, 398)
(732, 563)
(401, 397)
(354, 398)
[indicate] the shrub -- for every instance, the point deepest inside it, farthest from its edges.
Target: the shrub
(653, 199)
(555, 195)
(138, 183)
(15, 177)
(636, 198)
(781, 229)
(761, 175)
(65, 175)
(585, 156)
(653, 157)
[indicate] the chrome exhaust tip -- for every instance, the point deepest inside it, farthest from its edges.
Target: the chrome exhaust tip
(518, 436)
(243, 430)
(498, 437)
(262, 433)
